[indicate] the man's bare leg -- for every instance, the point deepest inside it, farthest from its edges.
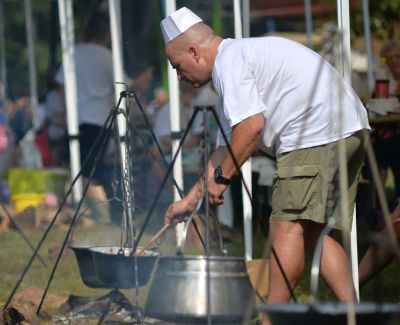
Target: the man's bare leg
(377, 257)
(287, 241)
(335, 267)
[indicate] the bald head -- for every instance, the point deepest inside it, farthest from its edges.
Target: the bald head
(198, 35)
(193, 53)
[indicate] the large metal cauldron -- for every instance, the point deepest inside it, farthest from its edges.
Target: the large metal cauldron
(178, 292)
(113, 267)
(329, 313)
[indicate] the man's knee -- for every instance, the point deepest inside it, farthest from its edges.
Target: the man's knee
(286, 228)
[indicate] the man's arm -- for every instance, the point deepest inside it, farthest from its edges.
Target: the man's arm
(180, 210)
(244, 140)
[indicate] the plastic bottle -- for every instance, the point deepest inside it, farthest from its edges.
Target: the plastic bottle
(382, 79)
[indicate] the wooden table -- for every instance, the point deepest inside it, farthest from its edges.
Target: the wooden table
(390, 120)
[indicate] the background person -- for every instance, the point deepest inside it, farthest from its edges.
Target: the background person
(95, 95)
(54, 105)
(270, 101)
(380, 253)
(162, 131)
(386, 140)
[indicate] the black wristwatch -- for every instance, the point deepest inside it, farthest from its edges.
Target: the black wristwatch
(219, 179)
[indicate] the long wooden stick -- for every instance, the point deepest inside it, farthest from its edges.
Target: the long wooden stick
(152, 240)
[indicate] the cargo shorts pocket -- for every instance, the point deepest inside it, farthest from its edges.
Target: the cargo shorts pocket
(298, 187)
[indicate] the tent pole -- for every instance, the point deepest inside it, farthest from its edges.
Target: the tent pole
(67, 42)
(343, 16)
(175, 127)
(309, 24)
(368, 46)
(3, 69)
(246, 17)
(246, 168)
(31, 58)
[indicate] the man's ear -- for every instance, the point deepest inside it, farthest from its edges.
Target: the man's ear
(194, 52)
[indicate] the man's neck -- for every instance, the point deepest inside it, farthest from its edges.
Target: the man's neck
(214, 44)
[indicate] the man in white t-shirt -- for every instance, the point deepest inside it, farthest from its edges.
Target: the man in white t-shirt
(284, 99)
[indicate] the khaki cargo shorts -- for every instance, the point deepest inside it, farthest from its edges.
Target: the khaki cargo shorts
(306, 183)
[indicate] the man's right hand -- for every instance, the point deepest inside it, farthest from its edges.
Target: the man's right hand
(177, 212)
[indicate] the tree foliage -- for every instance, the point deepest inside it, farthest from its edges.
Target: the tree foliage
(385, 16)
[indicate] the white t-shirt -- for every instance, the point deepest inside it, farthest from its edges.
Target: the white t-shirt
(94, 82)
(162, 124)
(207, 97)
(292, 86)
(55, 113)
(162, 127)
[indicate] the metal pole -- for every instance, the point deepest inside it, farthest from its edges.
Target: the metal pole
(246, 168)
(343, 16)
(237, 19)
(31, 58)
(175, 127)
(368, 46)
(118, 65)
(309, 26)
(3, 69)
(67, 42)
(246, 17)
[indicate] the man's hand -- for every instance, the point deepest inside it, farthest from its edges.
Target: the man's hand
(177, 212)
(215, 192)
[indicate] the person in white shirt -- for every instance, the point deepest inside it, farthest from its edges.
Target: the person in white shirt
(95, 100)
(283, 98)
(162, 131)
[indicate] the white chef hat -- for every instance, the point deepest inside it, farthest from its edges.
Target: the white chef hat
(176, 23)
